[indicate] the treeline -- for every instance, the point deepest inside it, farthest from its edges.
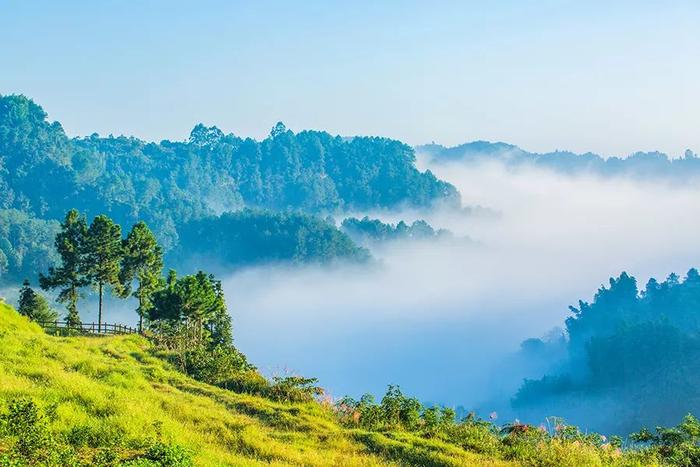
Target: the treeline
(251, 237)
(224, 242)
(631, 357)
(366, 230)
(639, 164)
(44, 173)
(97, 256)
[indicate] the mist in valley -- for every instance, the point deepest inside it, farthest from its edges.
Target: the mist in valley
(444, 318)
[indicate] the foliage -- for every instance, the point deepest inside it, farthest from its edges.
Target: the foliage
(637, 350)
(102, 257)
(143, 262)
(395, 411)
(523, 444)
(32, 442)
(25, 245)
(248, 237)
(197, 301)
(679, 445)
(293, 389)
(367, 230)
(68, 277)
(112, 401)
(43, 173)
(115, 398)
(34, 306)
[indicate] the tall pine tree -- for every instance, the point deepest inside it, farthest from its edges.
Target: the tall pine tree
(143, 261)
(102, 258)
(68, 276)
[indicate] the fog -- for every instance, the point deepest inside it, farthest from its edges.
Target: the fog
(440, 318)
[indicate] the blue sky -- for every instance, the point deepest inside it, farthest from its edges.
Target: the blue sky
(610, 77)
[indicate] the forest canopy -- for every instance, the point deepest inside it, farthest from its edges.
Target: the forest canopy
(632, 357)
(251, 237)
(44, 173)
(178, 187)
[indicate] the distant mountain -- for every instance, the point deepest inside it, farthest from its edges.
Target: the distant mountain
(639, 164)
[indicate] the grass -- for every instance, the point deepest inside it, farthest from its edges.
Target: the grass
(112, 391)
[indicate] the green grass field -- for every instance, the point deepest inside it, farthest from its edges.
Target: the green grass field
(111, 391)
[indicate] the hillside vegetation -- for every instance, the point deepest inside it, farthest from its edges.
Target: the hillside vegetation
(113, 392)
(43, 173)
(113, 401)
(178, 186)
(630, 357)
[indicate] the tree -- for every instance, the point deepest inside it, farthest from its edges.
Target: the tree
(198, 301)
(68, 276)
(166, 301)
(34, 305)
(102, 258)
(278, 129)
(143, 261)
(219, 324)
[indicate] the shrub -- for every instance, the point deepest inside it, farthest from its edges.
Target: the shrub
(247, 382)
(25, 423)
(168, 455)
(215, 365)
(679, 445)
(293, 389)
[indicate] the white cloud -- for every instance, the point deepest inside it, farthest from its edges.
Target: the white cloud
(437, 317)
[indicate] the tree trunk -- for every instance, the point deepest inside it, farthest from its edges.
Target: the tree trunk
(140, 314)
(73, 303)
(99, 313)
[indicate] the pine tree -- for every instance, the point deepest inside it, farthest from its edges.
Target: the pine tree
(68, 276)
(143, 261)
(102, 254)
(34, 305)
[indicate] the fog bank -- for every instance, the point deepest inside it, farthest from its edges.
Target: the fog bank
(438, 318)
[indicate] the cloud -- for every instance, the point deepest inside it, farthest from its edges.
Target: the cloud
(439, 317)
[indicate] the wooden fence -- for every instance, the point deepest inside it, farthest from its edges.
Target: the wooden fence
(104, 329)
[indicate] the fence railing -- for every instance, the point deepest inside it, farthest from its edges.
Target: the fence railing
(103, 329)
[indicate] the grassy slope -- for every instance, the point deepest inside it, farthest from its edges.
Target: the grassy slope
(113, 385)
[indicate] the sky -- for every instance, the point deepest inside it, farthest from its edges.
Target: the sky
(608, 77)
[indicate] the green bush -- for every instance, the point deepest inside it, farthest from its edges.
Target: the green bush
(215, 365)
(24, 430)
(246, 382)
(293, 389)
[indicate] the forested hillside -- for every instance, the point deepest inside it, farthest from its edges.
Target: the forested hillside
(44, 173)
(251, 237)
(631, 357)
